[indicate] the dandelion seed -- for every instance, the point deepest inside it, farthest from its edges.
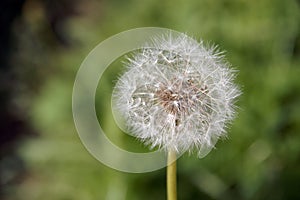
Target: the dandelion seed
(177, 96)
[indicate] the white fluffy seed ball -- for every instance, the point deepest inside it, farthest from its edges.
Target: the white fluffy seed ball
(178, 95)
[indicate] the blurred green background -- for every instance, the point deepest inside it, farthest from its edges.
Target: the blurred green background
(43, 43)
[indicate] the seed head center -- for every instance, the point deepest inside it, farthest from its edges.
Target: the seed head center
(179, 97)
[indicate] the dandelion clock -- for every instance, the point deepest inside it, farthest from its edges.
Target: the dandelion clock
(178, 97)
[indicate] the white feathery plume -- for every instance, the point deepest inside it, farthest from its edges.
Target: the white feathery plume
(178, 95)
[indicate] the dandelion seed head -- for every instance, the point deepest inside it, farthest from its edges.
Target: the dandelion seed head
(178, 95)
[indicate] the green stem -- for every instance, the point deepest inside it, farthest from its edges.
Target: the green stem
(171, 176)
